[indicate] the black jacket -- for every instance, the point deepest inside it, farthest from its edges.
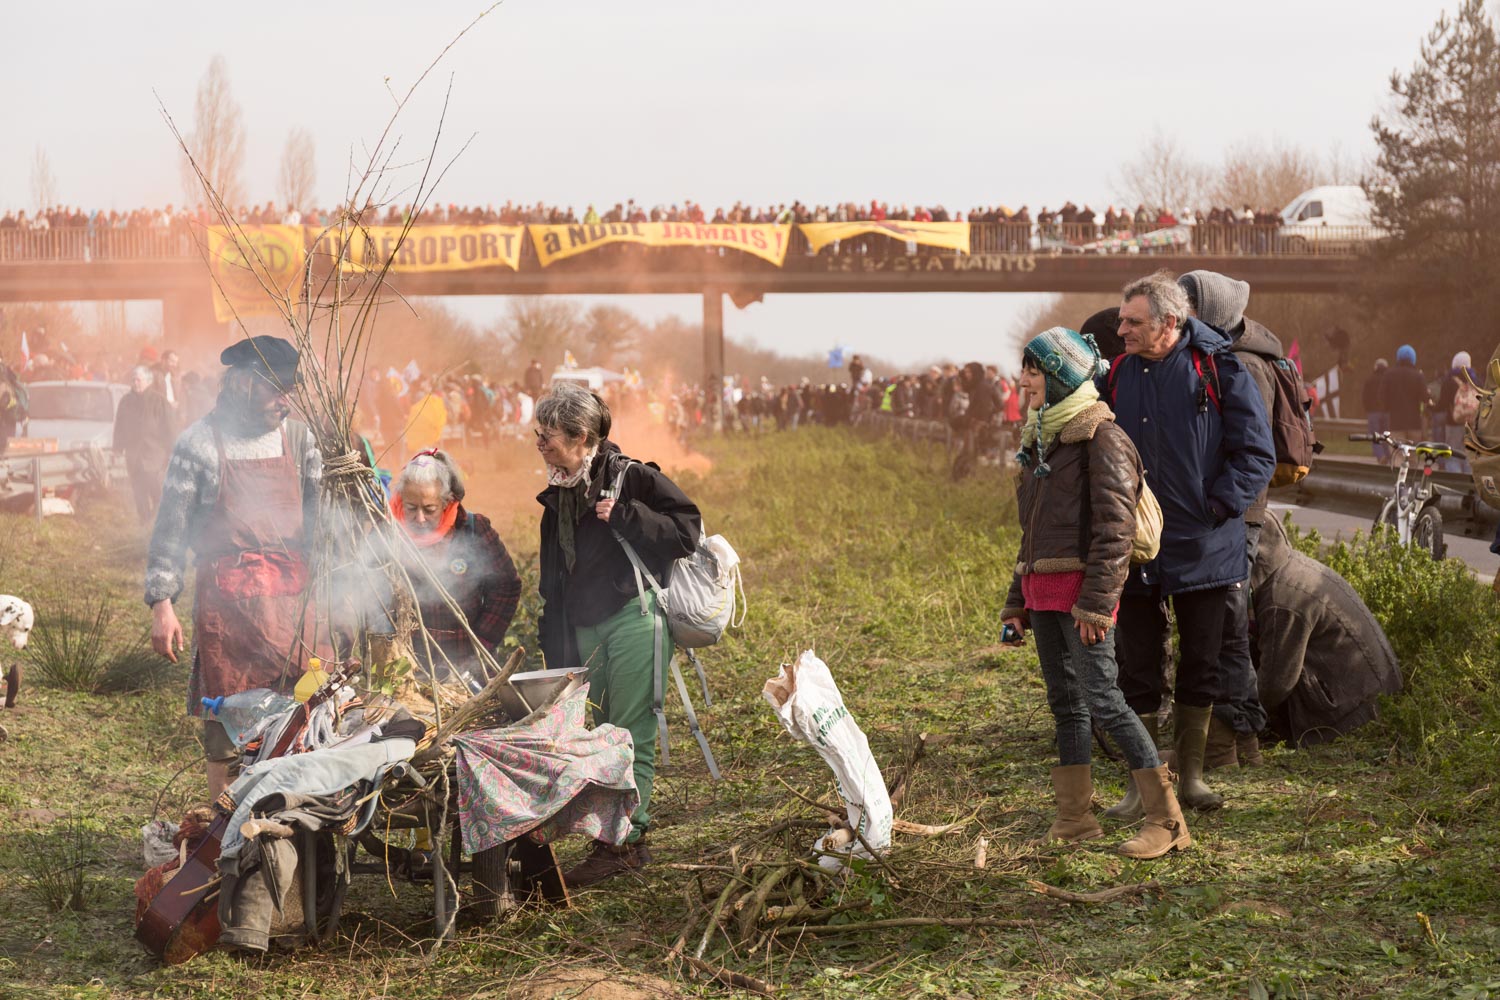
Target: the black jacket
(651, 513)
(1406, 397)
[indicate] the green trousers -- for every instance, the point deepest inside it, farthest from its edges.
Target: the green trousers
(620, 660)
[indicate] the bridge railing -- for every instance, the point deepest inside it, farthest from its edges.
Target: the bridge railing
(87, 244)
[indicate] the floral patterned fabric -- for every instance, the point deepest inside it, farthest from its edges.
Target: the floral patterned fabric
(549, 779)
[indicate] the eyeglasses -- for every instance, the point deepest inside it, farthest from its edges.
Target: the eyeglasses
(545, 436)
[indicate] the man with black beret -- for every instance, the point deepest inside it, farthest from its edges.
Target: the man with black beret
(241, 491)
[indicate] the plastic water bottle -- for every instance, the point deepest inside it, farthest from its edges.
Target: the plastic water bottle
(240, 713)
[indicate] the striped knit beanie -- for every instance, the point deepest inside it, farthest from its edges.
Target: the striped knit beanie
(1067, 359)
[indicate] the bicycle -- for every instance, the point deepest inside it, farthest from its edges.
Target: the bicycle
(1411, 511)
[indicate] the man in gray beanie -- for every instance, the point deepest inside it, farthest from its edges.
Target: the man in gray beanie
(1220, 301)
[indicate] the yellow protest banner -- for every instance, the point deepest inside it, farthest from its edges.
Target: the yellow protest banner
(949, 235)
(765, 241)
(254, 267)
(425, 248)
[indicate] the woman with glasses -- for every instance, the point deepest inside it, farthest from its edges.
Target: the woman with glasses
(594, 614)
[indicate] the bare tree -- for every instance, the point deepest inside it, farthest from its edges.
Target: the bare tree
(1162, 175)
(608, 332)
(299, 170)
(217, 141)
(1264, 174)
(43, 181)
(538, 327)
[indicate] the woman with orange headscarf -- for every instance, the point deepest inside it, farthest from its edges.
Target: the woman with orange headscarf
(465, 555)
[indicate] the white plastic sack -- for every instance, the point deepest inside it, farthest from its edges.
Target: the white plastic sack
(156, 842)
(810, 707)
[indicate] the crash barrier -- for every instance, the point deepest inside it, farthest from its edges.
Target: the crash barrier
(39, 474)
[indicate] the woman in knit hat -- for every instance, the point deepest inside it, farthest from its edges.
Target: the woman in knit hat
(1080, 479)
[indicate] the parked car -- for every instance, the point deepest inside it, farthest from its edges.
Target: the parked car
(74, 414)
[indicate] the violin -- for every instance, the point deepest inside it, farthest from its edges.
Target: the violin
(183, 918)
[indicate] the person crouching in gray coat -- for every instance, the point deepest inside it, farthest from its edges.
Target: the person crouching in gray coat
(1324, 660)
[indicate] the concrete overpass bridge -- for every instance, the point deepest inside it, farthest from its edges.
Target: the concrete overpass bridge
(70, 265)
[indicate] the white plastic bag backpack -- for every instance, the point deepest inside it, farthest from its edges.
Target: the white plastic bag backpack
(702, 590)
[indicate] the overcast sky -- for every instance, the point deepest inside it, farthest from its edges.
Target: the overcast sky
(578, 101)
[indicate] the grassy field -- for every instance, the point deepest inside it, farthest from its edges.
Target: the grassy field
(1368, 868)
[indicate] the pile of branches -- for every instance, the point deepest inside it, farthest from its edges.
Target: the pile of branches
(768, 896)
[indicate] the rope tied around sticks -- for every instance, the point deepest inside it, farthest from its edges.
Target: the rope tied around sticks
(350, 463)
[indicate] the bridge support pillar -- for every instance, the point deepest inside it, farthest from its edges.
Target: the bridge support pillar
(189, 326)
(713, 358)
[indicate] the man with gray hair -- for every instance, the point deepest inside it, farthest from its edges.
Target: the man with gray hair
(1197, 421)
(145, 428)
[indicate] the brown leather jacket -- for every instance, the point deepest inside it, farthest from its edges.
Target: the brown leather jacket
(1081, 516)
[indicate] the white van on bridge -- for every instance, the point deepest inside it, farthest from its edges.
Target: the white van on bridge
(1327, 219)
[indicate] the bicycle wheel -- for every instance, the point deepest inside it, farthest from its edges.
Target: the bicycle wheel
(1386, 519)
(1427, 534)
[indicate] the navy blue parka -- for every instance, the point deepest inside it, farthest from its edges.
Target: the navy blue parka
(1205, 463)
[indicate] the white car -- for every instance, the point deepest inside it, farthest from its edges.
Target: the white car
(74, 414)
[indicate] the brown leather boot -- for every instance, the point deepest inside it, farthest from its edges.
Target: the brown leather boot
(1191, 729)
(607, 861)
(1074, 788)
(1247, 748)
(1219, 751)
(1128, 809)
(1164, 828)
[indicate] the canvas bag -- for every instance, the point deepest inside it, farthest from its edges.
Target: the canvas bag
(1482, 438)
(1148, 521)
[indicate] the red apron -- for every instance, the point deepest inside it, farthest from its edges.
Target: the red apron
(252, 623)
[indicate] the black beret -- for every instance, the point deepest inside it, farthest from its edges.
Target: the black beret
(273, 357)
(1104, 325)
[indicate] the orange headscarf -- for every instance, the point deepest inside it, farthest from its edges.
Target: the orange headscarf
(445, 523)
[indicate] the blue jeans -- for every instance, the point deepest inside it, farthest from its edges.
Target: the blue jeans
(1378, 423)
(1081, 685)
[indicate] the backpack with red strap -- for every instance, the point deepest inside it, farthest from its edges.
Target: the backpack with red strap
(1290, 416)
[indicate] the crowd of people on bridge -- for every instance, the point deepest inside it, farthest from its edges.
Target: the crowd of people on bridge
(1113, 219)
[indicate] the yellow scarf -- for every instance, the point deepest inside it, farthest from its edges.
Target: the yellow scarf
(1045, 424)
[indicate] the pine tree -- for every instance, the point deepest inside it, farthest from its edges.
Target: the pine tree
(1437, 190)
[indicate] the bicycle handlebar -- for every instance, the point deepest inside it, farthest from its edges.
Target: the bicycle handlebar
(1361, 437)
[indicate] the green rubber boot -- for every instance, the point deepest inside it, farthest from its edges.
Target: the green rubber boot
(1191, 728)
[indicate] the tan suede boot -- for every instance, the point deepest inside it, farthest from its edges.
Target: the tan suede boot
(1191, 728)
(1247, 748)
(1128, 809)
(1074, 787)
(1220, 749)
(1164, 828)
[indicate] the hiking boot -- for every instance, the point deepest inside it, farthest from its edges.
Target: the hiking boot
(1247, 748)
(607, 861)
(1074, 788)
(1219, 751)
(1128, 809)
(1164, 828)
(1191, 728)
